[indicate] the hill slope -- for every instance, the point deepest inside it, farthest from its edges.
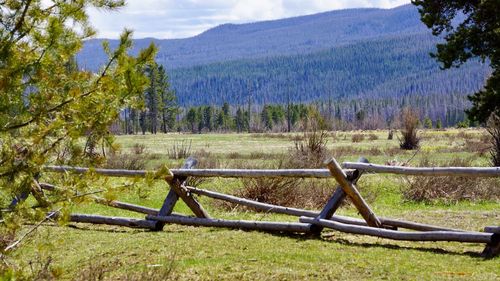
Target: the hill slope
(357, 53)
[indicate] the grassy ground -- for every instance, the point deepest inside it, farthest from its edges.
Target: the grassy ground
(80, 250)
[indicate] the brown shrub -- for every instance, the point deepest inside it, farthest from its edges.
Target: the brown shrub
(465, 135)
(476, 146)
(180, 149)
(357, 137)
(291, 192)
(450, 189)
(309, 152)
(409, 139)
(136, 160)
(372, 137)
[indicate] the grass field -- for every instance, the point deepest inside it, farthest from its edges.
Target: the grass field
(82, 251)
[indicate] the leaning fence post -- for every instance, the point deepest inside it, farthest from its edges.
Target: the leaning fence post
(177, 191)
(351, 191)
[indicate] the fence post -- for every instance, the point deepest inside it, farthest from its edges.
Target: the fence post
(177, 191)
(351, 191)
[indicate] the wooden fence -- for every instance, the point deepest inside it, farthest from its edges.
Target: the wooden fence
(308, 222)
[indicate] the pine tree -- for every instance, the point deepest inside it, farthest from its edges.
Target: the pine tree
(47, 104)
(169, 107)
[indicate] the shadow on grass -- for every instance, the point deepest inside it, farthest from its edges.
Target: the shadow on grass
(365, 245)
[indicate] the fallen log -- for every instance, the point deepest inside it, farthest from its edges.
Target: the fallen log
(468, 237)
(128, 222)
(251, 203)
(239, 224)
(125, 206)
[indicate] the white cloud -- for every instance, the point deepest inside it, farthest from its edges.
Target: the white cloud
(185, 18)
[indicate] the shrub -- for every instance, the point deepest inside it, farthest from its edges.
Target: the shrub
(180, 150)
(450, 189)
(372, 137)
(136, 160)
(494, 131)
(309, 151)
(409, 119)
(357, 137)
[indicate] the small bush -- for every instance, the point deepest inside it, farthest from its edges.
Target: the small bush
(310, 151)
(409, 119)
(180, 150)
(309, 194)
(450, 189)
(357, 137)
(372, 137)
(136, 160)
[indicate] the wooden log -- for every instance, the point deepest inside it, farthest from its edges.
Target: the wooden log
(172, 196)
(492, 249)
(468, 237)
(223, 173)
(270, 208)
(128, 222)
(255, 173)
(425, 171)
(492, 229)
(177, 185)
(338, 197)
(239, 224)
(126, 206)
(415, 225)
(353, 193)
(251, 203)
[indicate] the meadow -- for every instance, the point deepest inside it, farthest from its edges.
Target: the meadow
(90, 252)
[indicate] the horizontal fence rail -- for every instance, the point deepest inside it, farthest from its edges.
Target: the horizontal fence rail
(294, 173)
(425, 171)
(223, 173)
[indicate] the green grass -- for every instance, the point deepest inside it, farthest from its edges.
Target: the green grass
(220, 254)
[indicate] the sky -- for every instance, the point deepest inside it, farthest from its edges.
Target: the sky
(169, 19)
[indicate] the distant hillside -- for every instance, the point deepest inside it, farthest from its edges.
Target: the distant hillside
(390, 67)
(357, 53)
(297, 35)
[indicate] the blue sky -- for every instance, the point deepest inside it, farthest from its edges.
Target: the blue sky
(167, 19)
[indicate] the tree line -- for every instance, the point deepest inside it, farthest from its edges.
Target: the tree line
(157, 115)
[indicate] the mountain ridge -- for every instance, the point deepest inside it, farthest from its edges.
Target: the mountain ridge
(348, 54)
(296, 35)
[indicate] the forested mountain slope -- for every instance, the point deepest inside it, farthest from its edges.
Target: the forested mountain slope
(348, 54)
